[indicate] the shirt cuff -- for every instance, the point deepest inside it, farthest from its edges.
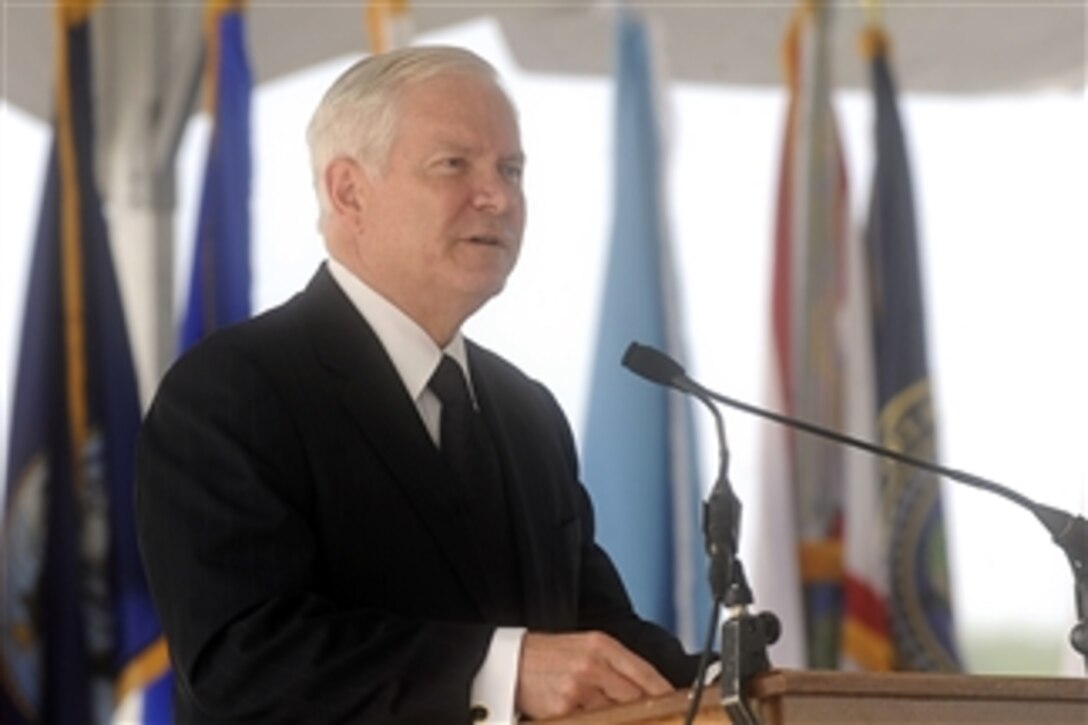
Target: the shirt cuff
(713, 672)
(492, 693)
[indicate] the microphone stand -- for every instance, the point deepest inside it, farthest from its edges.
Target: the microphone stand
(745, 636)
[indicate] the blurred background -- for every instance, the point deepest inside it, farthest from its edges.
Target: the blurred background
(994, 109)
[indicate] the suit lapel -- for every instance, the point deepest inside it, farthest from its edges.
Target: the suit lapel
(376, 400)
(532, 497)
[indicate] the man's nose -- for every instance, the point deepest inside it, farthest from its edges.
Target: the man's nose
(493, 192)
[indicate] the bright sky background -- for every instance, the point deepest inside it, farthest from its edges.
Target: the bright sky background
(1001, 185)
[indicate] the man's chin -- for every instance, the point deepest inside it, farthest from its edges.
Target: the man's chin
(489, 273)
(482, 288)
(485, 291)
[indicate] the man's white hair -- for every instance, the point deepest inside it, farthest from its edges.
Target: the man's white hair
(357, 116)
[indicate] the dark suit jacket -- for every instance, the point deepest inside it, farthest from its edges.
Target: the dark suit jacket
(303, 544)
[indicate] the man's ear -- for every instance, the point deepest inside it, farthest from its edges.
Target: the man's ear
(345, 182)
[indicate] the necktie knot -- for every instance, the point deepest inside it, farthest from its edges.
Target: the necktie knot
(448, 383)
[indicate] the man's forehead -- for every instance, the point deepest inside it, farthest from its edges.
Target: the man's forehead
(454, 119)
(463, 144)
(444, 83)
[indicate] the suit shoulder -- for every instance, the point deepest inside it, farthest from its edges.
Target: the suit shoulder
(512, 392)
(502, 372)
(240, 350)
(258, 331)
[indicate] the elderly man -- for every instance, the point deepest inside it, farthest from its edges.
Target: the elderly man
(347, 510)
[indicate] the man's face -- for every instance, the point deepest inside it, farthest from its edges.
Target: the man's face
(442, 221)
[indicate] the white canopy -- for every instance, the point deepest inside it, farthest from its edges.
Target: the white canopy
(148, 57)
(942, 46)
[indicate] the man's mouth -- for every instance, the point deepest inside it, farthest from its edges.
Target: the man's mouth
(487, 240)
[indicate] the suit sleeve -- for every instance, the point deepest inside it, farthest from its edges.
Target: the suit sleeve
(225, 527)
(603, 602)
(606, 606)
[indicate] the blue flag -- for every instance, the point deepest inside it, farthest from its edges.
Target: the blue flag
(219, 285)
(79, 629)
(640, 456)
(921, 612)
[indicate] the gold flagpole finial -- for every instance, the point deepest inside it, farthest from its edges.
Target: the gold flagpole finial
(214, 11)
(73, 12)
(374, 20)
(873, 40)
(872, 11)
(791, 40)
(387, 24)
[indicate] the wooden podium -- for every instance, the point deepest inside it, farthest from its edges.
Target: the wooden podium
(784, 697)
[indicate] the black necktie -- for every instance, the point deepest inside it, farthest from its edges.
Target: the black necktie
(459, 434)
(468, 449)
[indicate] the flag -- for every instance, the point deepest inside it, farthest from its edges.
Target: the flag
(640, 455)
(388, 24)
(79, 631)
(865, 633)
(776, 577)
(219, 284)
(803, 489)
(920, 599)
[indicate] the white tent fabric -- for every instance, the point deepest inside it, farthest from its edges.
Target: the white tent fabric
(953, 47)
(149, 54)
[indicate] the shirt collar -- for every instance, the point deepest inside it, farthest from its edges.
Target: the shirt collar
(414, 354)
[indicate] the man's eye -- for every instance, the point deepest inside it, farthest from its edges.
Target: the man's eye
(453, 162)
(513, 172)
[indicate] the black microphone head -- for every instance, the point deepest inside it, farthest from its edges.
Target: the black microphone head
(654, 365)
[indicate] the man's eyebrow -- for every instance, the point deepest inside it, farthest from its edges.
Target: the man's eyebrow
(449, 145)
(454, 146)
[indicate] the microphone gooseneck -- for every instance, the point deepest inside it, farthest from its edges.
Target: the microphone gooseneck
(1069, 532)
(745, 636)
(722, 508)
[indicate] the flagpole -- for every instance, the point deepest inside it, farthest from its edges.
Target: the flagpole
(137, 151)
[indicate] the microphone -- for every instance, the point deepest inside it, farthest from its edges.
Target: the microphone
(1069, 532)
(722, 508)
(745, 636)
(655, 366)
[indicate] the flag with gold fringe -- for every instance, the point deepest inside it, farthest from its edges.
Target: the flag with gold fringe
(219, 283)
(80, 635)
(919, 598)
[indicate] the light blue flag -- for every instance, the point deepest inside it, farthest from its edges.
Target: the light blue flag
(219, 287)
(640, 455)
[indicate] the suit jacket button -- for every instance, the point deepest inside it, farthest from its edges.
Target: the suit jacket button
(479, 713)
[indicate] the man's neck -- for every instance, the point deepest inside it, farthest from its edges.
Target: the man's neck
(440, 320)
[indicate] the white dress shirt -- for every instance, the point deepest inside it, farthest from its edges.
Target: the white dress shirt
(416, 356)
